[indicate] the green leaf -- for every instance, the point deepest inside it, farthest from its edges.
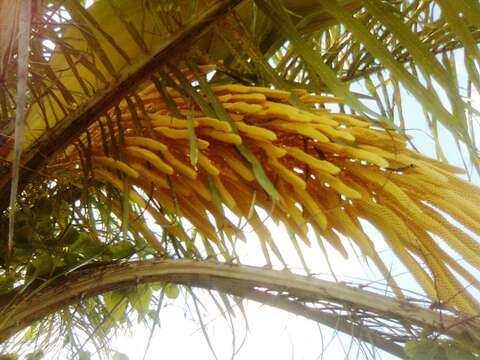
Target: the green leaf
(193, 140)
(44, 226)
(85, 245)
(119, 356)
(42, 263)
(115, 303)
(424, 349)
(70, 235)
(24, 228)
(455, 350)
(44, 207)
(122, 249)
(156, 286)
(217, 200)
(171, 290)
(430, 101)
(140, 298)
(37, 355)
(84, 355)
(275, 10)
(8, 356)
(419, 51)
(454, 353)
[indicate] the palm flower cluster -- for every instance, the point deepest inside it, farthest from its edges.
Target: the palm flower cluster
(193, 155)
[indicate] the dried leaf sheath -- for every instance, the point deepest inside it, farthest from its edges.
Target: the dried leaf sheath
(335, 167)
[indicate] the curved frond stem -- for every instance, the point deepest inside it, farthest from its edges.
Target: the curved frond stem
(24, 308)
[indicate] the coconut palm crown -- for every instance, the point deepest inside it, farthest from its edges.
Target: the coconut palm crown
(145, 143)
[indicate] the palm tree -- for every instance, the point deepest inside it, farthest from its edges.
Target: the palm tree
(146, 133)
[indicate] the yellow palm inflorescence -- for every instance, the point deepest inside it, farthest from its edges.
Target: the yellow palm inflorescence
(330, 170)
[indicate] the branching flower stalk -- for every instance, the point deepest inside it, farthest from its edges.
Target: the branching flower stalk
(330, 168)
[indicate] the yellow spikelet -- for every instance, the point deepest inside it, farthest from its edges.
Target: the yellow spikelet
(332, 238)
(387, 217)
(372, 136)
(199, 219)
(413, 165)
(351, 121)
(151, 157)
(444, 288)
(171, 122)
(426, 169)
(224, 194)
(188, 112)
(386, 154)
(256, 132)
(243, 196)
(145, 142)
(456, 239)
(325, 120)
(337, 184)
(334, 133)
(274, 94)
(464, 244)
(467, 212)
(354, 153)
(287, 175)
(317, 99)
(446, 169)
(248, 98)
(231, 88)
(341, 221)
(272, 151)
(237, 164)
(399, 248)
(453, 210)
(115, 164)
(384, 185)
(202, 144)
(214, 123)
(291, 210)
(449, 289)
(150, 175)
(284, 112)
(207, 165)
(243, 108)
(456, 267)
(313, 208)
(321, 165)
(118, 184)
(461, 187)
(201, 189)
(167, 200)
(307, 131)
(172, 133)
(179, 165)
(228, 138)
(242, 89)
